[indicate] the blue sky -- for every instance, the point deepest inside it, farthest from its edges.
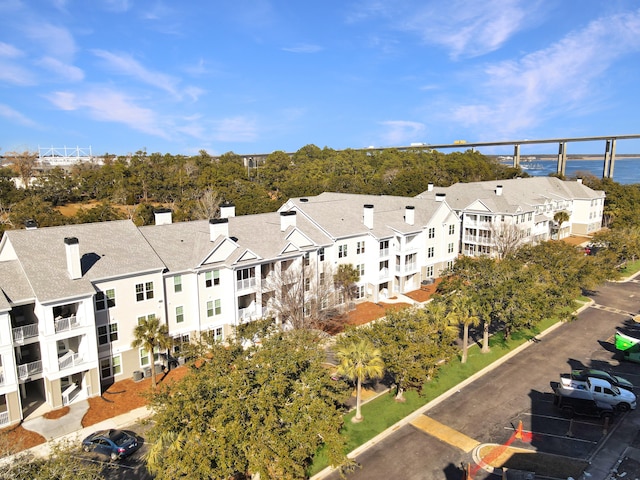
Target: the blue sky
(257, 76)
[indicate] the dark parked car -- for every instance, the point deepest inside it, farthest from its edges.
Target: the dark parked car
(582, 375)
(113, 443)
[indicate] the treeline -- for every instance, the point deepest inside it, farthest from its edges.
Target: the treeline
(137, 183)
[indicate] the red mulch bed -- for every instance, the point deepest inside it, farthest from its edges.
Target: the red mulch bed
(124, 396)
(56, 414)
(17, 438)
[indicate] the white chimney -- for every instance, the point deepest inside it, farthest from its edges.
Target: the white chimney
(499, 190)
(579, 180)
(163, 216)
(430, 187)
(409, 214)
(368, 216)
(217, 227)
(72, 250)
(287, 219)
(440, 197)
(227, 210)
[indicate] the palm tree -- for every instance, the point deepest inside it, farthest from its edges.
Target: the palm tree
(359, 360)
(561, 217)
(151, 334)
(461, 311)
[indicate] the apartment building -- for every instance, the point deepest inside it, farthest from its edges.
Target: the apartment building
(72, 295)
(492, 211)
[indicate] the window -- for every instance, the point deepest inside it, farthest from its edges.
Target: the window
(360, 248)
(214, 308)
(179, 342)
(432, 232)
(360, 291)
(307, 284)
(452, 229)
(110, 366)
(217, 334)
(430, 252)
(146, 317)
(106, 299)
(450, 248)
(321, 278)
(107, 333)
(429, 271)
(179, 314)
(306, 259)
(144, 356)
(530, 216)
(144, 291)
(212, 278)
(177, 283)
(342, 251)
(360, 269)
(321, 255)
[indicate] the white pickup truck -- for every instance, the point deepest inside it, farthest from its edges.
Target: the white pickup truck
(601, 391)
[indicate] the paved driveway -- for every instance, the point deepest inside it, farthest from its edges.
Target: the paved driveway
(489, 409)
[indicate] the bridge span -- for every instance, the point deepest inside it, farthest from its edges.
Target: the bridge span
(253, 160)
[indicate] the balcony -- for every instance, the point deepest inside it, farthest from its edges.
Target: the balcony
(4, 418)
(20, 334)
(383, 274)
(245, 283)
(384, 252)
(69, 360)
(407, 268)
(478, 240)
(66, 324)
(27, 370)
(250, 313)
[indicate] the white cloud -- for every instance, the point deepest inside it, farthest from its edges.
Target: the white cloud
(64, 71)
(9, 51)
(303, 48)
(522, 93)
(16, 74)
(235, 129)
(401, 132)
(57, 41)
(108, 105)
(117, 6)
(126, 65)
(469, 29)
(15, 116)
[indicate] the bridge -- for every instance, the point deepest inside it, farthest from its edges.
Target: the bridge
(253, 160)
(64, 155)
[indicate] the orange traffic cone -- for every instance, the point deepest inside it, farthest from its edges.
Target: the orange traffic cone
(519, 431)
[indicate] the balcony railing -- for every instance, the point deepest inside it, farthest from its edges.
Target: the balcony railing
(69, 360)
(67, 323)
(1, 378)
(246, 283)
(408, 267)
(384, 273)
(478, 240)
(20, 334)
(26, 370)
(4, 418)
(384, 252)
(249, 313)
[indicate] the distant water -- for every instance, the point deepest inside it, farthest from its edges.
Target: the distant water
(626, 170)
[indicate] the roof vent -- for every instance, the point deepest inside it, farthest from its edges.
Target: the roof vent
(30, 224)
(304, 200)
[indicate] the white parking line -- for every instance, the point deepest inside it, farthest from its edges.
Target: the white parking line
(573, 439)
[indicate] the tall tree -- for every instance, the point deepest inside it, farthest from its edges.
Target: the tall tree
(345, 279)
(262, 410)
(23, 165)
(460, 310)
(359, 360)
(150, 334)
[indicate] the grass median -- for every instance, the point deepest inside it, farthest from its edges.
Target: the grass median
(383, 412)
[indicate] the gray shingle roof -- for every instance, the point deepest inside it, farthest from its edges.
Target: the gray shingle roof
(107, 249)
(14, 283)
(517, 192)
(341, 214)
